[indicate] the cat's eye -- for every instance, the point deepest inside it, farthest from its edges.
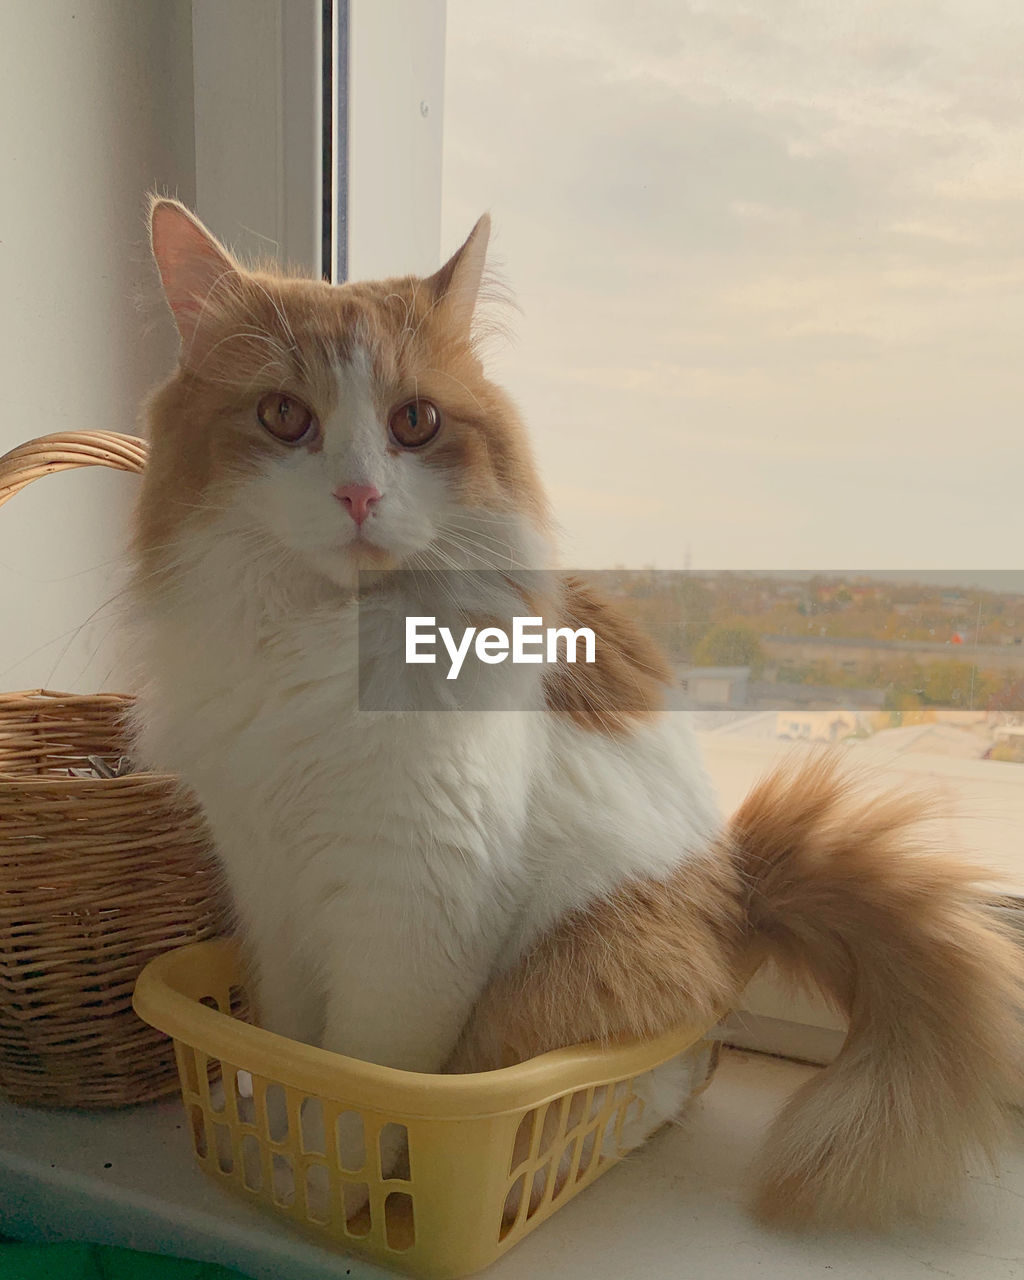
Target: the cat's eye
(285, 417)
(414, 423)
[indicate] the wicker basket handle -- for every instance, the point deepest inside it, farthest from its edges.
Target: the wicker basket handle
(68, 449)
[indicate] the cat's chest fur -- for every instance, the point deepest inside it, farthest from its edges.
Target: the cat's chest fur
(392, 859)
(274, 740)
(375, 859)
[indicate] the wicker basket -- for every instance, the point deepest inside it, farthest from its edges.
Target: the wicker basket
(97, 876)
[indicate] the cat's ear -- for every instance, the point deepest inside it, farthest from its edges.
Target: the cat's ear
(458, 281)
(193, 265)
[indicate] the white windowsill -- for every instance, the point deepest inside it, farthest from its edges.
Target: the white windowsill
(674, 1208)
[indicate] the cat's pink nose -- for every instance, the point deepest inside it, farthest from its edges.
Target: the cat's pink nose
(358, 499)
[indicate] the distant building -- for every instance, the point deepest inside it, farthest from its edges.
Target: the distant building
(849, 655)
(954, 600)
(929, 739)
(820, 726)
(768, 694)
(706, 688)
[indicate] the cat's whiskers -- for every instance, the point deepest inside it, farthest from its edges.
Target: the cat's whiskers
(72, 632)
(281, 314)
(439, 578)
(451, 525)
(248, 335)
(444, 373)
(495, 556)
(424, 318)
(487, 561)
(408, 304)
(480, 515)
(448, 561)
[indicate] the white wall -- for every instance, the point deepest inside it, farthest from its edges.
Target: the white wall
(95, 109)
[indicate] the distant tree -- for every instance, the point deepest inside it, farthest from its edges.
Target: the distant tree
(730, 647)
(1006, 694)
(900, 702)
(951, 684)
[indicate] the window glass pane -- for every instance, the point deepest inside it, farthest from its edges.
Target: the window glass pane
(770, 265)
(770, 262)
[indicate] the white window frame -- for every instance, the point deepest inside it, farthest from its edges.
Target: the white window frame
(280, 148)
(395, 136)
(258, 125)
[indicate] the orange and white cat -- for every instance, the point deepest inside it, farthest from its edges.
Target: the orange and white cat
(436, 890)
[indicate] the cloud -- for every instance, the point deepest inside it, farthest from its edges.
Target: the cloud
(759, 247)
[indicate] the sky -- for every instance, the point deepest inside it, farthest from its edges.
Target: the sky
(769, 260)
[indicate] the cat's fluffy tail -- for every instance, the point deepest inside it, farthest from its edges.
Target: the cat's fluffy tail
(905, 944)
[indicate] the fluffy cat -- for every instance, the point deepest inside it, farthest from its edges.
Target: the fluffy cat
(434, 890)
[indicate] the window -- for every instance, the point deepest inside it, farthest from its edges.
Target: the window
(769, 262)
(769, 267)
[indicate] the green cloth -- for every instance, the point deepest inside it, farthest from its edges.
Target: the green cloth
(101, 1262)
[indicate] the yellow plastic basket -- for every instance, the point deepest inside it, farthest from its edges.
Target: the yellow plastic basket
(490, 1156)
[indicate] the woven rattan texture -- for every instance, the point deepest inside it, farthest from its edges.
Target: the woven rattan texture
(97, 876)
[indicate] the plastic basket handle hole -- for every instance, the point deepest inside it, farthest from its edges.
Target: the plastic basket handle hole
(284, 1181)
(276, 1106)
(314, 1138)
(198, 1122)
(245, 1104)
(586, 1154)
(351, 1141)
(513, 1201)
(190, 1069)
(318, 1193)
(252, 1166)
(399, 1227)
(564, 1171)
(394, 1152)
(523, 1138)
(222, 1145)
(553, 1127)
(356, 1201)
(540, 1182)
